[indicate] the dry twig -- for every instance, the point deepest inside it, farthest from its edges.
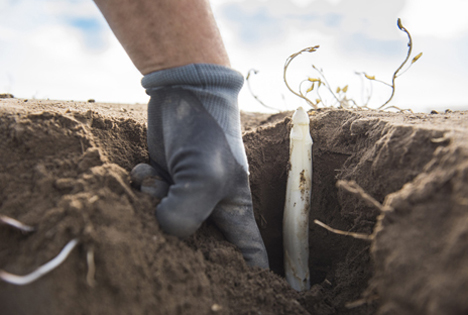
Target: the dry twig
(286, 65)
(253, 94)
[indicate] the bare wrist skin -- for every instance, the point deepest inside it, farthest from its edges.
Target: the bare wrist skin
(165, 34)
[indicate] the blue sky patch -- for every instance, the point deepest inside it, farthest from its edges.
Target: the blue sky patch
(257, 27)
(86, 25)
(93, 32)
(360, 42)
(333, 20)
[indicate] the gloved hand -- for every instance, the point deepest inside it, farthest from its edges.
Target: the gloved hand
(195, 146)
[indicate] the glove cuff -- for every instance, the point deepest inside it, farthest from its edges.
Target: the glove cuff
(197, 75)
(217, 87)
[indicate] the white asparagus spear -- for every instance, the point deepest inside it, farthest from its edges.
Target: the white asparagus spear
(296, 210)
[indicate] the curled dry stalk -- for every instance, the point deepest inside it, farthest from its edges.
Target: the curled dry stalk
(339, 96)
(253, 94)
(408, 54)
(320, 82)
(340, 93)
(286, 65)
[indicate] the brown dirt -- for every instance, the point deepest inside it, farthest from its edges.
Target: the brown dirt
(64, 169)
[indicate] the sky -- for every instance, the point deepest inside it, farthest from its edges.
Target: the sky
(64, 50)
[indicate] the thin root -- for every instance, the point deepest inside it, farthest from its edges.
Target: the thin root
(42, 270)
(355, 189)
(82, 147)
(91, 268)
(360, 236)
(263, 221)
(441, 140)
(402, 110)
(361, 302)
(16, 224)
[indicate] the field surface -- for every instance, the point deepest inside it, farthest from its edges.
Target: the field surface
(401, 179)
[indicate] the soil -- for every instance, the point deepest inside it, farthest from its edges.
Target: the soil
(64, 169)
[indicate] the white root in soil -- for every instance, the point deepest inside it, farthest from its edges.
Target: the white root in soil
(42, 270)
(16, 224)
(296, 209)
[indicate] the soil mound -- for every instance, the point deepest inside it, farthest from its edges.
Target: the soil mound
(64, 169)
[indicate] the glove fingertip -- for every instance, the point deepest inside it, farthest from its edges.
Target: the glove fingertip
(155, 187)
(140, 172)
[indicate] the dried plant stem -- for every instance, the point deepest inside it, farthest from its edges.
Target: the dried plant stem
(286, 65)
(253, 94)
(340, 94)
(364, 90)
(16, 224)
(325, 82)
(42, 270)
(395, 74)
(360, 236)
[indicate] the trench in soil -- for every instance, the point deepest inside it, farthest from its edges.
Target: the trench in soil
(338, 265)
(380, 157)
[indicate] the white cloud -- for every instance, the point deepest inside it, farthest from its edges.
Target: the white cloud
(74, 8)
(441, 19)
(7, 34)
(63, 49)
(47, 55)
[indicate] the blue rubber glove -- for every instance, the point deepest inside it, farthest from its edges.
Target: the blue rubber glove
(197, 156)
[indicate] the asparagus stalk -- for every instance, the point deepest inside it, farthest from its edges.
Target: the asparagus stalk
(296, 210)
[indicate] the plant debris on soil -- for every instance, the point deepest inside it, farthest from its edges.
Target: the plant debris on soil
(64, 170)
